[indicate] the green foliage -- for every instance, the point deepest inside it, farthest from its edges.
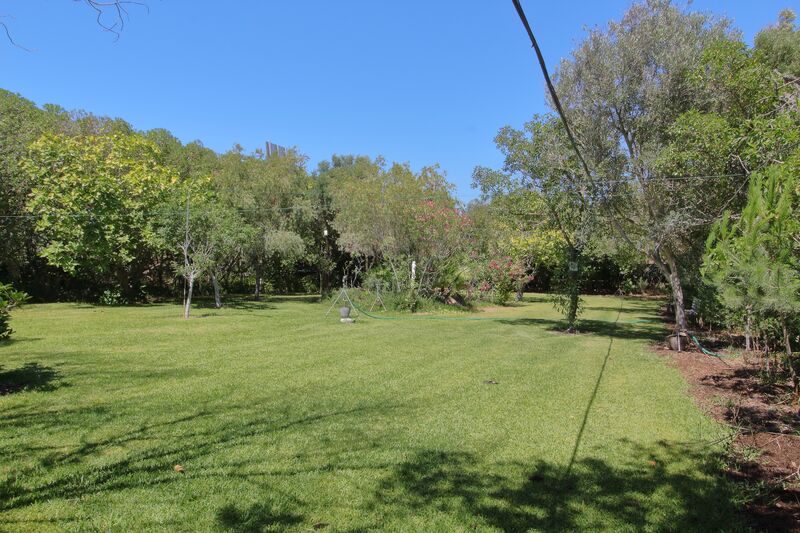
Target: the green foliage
(754, 260)
(780, 45)
(500, 277)
(111, 297)
(559, 218)
(94, 197)
(9, 299)
(395, 216)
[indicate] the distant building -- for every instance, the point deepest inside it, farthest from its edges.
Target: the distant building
(274, 149)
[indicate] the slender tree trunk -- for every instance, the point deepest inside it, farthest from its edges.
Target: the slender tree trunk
(748, 324)
(217, 295)
(257, 294)
(573, 279)
(789, 358)
(123, 280)
(394, 274)
(325, 283)
(670, 268)
(188, 304)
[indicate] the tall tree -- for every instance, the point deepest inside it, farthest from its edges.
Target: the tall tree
(94, 198)
(271, 194)
(755, 260)
(622, 89)
(537, 160)
(21, 123)
(399, 217)
(780, 45)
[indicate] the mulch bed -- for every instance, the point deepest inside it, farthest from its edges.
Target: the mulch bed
(766, 450)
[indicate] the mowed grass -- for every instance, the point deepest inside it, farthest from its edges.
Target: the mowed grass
(285, 419)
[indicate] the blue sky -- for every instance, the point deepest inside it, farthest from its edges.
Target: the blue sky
(413, 80)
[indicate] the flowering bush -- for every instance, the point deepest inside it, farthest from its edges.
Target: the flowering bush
(501, 278)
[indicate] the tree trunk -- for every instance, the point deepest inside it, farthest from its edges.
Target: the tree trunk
(257, 294)
(326, 284)
(217, 295)
(573, 278)
(670, 268)
(789, 358)
(748, 323)
(188, 303)
(123, 281)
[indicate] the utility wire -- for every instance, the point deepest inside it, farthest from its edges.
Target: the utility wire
(563, 116)
(551, 88)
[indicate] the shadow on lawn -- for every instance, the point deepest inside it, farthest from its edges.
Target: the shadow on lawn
(153, 464)
(666, 486)
(257, 517)
(602, 328)
(30, 377)
(659, 488)
(247, 303)
(239, 304)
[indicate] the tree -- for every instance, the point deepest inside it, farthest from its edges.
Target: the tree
(537, 161)
(754, 261)
(271, 193)
(21, 123)
(94, 197)
(780, 45)
(396, 216)
(624, 87)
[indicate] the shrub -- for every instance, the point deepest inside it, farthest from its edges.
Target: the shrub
(111, 297)
(9, 299)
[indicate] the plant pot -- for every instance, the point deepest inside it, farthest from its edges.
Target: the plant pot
(344, 312)
(678, 342)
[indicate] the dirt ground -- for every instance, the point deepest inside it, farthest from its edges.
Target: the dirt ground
(765, 454)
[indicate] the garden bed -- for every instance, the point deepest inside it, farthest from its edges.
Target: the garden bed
(764, 452)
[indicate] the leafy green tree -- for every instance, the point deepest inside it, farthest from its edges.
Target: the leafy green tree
(397, 217)
(780, 44)
(94, 197)
(9, 299)
(271, 193)
(205, 238)
(21, 122)
(624, 85)
(537, 161)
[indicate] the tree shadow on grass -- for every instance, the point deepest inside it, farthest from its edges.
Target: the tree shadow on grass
(664, 487)
(240, 304)
(153, 466)
(603, 328)
(257, 517)
(29, 377)
(16, 340)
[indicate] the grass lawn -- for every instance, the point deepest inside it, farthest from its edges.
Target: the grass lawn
(286, 419)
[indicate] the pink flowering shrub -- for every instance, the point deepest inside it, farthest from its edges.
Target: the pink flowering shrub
(501, 277)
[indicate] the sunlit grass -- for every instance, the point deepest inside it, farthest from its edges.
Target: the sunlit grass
(286, 419)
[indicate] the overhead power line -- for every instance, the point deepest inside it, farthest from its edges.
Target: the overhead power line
(551, 88)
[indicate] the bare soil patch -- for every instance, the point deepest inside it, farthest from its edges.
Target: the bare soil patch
(765, 453)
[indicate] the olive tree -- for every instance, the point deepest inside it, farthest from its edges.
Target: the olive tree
(623, 87)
